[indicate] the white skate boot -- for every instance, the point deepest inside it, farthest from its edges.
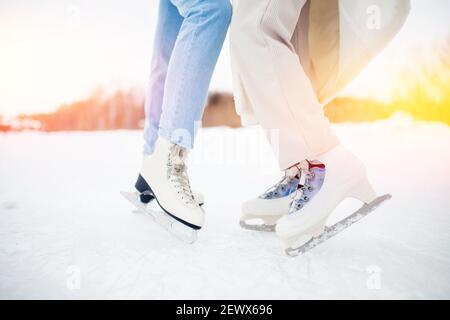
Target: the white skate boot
(272, 204)
(330, 179)
(164, 178)
(146, 196)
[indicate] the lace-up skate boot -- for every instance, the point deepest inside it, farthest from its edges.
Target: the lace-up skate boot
(145, 196)
(333, 177)
(272, 204)
(164, 176)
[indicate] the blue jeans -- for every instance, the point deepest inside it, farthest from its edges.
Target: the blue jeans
(189, 37)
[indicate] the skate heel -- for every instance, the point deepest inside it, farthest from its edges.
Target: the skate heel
(363, 191)
(268, 225)
(142, 186)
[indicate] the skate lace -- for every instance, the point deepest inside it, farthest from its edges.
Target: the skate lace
(177, 174)
(286, 186)
(304, 193)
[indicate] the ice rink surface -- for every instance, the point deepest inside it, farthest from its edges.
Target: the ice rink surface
(65, 232)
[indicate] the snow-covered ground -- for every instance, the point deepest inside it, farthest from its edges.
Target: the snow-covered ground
(65, 232)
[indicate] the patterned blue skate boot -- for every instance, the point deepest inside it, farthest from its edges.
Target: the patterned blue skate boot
(271, 205)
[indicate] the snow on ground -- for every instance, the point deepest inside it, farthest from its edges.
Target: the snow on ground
(65, 232)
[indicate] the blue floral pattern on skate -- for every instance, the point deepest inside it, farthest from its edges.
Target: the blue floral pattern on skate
(315, 177)
(284, 188)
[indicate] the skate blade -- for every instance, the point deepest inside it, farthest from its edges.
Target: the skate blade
(257, 227)
(261, 223)
(176, 228)
(338, 227)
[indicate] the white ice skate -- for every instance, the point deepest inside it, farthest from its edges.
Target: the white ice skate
(147, 197)
(271, 205)
(164, 179)
(329, 180)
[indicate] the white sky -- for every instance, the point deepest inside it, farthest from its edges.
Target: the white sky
(57, 51)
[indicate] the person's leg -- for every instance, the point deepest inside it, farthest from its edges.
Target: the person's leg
(191, 66)
(272, 88)
(169, 24)
(280, 93)
(184, 66)
(283, 98)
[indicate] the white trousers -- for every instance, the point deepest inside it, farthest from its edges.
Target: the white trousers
(270, 85)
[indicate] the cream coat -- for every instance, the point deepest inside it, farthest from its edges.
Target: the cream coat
(289, 57)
